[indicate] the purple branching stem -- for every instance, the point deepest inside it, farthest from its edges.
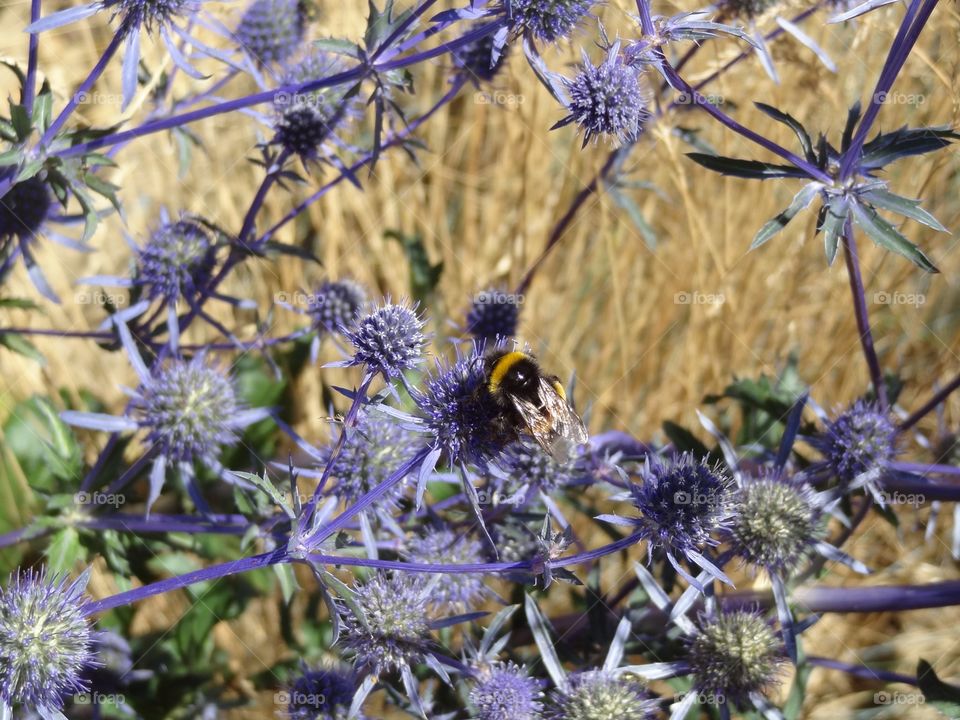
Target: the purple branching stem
(931, 404)
(30, 89)
(698, 99)
(85, 86)
(565, 221)
(881, 598)
(913, 489)
(402, 28)
(349, 421)
(911, 27)
(925, 468)
(90, 334)
(646, 19)
(861, 671)
(860, 308)
(249, 221)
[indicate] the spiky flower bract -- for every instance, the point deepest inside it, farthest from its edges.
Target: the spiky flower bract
(493, 314)
(375, 447)
(387, 629)
(272, 30)
(176, 260)
(777, 524)
(682, 501)
(735, 654)
(458, 414)
(442, 546)
(549, 20)
(859, 443)
(601, 695)
(335, 304)
(150, 14)
(476, 59)
(389, 340)
(45, 640)
(527, 468)
(322, 694)
(305, 120)
(504, 690)
(607, 99)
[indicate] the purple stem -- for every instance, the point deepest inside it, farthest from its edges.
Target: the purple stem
(931, 404)
(92, 334)
(84, 88)
(861, 671)
(907, 35)
(860, 308)
(925, 468)
(879, 598)
(30, 90)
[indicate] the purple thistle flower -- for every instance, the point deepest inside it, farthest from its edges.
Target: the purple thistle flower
(389, 340)
(176, 260)
(335, 304)
(45, 641)
(373, 449)
(858, 444)
(682, 502)
(442, 546)
(493, 314)
(778, 523)
(150, 14)
(477, 59)
(735, 656)
(549, 20)
(596, 694)
(386, 625)
(504, 690)
(272, 30)
(607, 99)
(527, 466)
(322, 694)
(458, 414)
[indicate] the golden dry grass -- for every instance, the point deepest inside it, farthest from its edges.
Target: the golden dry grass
(485, 197)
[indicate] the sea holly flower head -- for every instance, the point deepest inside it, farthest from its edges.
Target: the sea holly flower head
(778, 522)
(386, 624)
(735, 656)
(524, 468)
(443, 546)
(858, 445)
(335, 304)
(548, 20)
(481, 60)
(607, 99)
(176, 260)
(45, 641)
(272, 30)
(322, 694)
(505, 690)
(493, 314)
(389, 340)
(599, 695)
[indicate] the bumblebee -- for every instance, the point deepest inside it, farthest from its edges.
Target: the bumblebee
(533, 403)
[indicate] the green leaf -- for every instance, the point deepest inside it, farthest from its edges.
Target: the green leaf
(833, 222)
(886, 148)
(19, 304)
(800, 202)
(684, 440)
(265, 484)
(20, 345)
(791, 122)
(65, 551)
(903, 206)
(626, 203)
(21, 121)
(887, 236)
(338, 46)
(44, 446)
(42, 109)
(424, 276)
(798, 691)
(288, 581)
(750, 169)
(944, 697)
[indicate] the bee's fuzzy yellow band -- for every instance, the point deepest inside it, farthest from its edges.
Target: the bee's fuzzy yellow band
(502, 367)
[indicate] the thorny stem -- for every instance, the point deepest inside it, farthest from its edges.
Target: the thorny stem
(931, 404)
(30, 90)
(860, 308)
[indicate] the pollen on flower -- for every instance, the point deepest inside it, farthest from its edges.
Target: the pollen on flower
(734, 655)
(504, 690)
(272, 30)
(387, 629)
(45, 640)
(388, 340)
(600, 695)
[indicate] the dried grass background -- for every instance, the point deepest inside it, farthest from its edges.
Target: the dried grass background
(486, 195)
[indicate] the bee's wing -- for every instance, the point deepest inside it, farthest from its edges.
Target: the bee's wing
(555, 425)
